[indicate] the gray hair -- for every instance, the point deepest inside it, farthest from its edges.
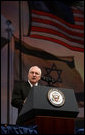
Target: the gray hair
(36, 67)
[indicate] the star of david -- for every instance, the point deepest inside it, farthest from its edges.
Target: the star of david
(49, 79)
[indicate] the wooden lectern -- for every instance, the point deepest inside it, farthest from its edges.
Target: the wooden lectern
(50, 119)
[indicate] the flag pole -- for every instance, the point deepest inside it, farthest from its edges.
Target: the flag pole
(20, 44)
(9, 31)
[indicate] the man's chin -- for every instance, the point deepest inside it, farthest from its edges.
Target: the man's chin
(33, 82)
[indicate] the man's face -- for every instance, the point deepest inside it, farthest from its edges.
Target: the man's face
(34, 75)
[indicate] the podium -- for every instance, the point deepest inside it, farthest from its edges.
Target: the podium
(50, 119)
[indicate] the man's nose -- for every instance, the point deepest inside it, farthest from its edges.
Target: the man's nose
(34, 74)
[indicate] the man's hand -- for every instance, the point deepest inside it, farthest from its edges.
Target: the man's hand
(25, 100)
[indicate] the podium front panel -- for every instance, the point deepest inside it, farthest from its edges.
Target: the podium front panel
(37, 103)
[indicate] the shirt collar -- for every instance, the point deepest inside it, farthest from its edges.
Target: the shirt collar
(36, 84)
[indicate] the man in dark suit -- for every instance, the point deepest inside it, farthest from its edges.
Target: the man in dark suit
(21, 89)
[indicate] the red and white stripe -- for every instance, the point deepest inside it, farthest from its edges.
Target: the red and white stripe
(49, 27)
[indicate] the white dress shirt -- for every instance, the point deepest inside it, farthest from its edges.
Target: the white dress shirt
(36, 84)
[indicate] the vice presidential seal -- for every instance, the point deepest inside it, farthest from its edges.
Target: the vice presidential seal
(56, 97)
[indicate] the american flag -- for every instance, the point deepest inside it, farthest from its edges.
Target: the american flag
(61, 24)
